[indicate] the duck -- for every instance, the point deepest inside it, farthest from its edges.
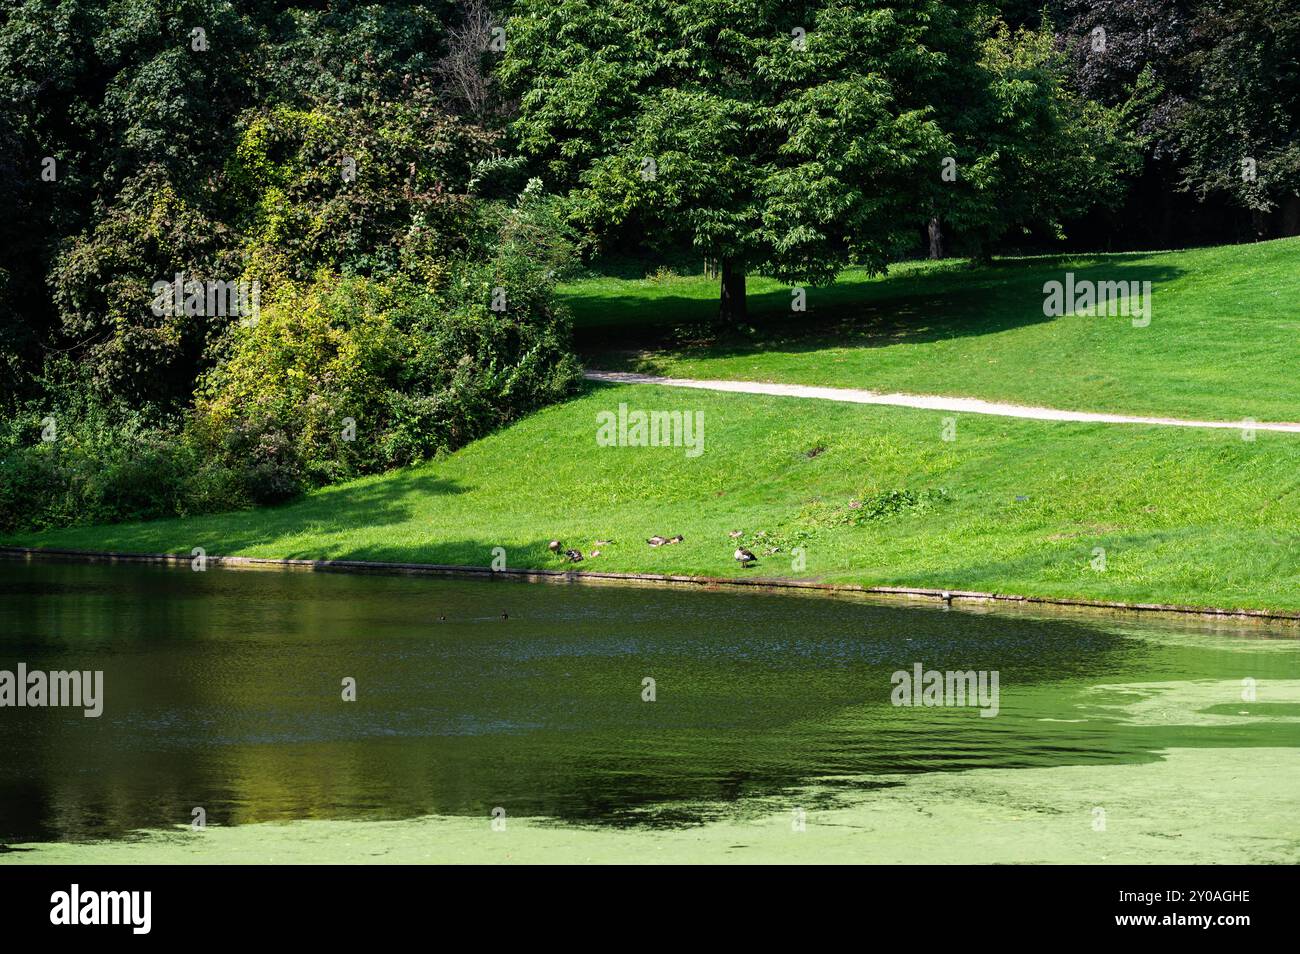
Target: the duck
(744, 557)
(554, 546)
(595, 553)
(677, 539)
(573, 556)
(657, 541)
(735, 534)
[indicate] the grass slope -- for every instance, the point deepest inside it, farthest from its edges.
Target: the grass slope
(1221, 343)
(1195, 517)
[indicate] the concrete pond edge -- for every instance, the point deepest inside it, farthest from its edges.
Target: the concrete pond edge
(945, 597)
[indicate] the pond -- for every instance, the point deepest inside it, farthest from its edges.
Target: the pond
(608, 716)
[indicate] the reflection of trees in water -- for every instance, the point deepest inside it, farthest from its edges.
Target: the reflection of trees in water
(223, 691)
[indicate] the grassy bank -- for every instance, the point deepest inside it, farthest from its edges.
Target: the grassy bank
(1220, 344)
(1191, 517)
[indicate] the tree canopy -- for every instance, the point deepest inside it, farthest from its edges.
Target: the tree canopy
(795, 138)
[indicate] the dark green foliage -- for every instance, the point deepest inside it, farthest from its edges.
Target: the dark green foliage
(102, 282)
(217, 140)
(791, 140)
(347, 376)
(1239, 137)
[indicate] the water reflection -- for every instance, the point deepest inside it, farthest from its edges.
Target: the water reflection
(224, 689)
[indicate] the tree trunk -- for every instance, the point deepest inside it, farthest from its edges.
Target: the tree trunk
(1291, 216)
(1166, 220)
(936, 237)
(732, 307)
(1259, 221)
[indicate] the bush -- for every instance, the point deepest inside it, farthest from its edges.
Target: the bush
(348, 376)
(104, 468)
(337, 376)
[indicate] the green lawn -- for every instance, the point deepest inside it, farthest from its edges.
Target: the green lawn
(1193, 517)
(1221, 344)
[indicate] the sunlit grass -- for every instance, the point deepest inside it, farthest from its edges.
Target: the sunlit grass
(1221, 343)
(1193, 517)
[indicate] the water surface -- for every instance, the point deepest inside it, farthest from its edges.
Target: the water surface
(223, 691)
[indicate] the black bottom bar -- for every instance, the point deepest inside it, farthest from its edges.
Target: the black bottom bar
(212, 904)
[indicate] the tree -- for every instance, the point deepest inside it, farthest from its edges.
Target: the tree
(1027, 152)
(786, 138)
(793, 139)
(1240, 136)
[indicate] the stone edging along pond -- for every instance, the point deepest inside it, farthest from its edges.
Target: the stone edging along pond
(30, 554)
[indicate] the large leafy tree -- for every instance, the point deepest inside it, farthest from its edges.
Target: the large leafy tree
(1239, 136)
(794, 138)
(786, 138)
(1029, 152)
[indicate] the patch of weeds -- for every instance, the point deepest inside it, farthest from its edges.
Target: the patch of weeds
(886, 504)
(817, 517)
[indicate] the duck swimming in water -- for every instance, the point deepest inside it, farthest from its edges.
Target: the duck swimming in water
(744, 557)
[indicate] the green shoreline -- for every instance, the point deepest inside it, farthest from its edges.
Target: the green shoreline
(1182, 517)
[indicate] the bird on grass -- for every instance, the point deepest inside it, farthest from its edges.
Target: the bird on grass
(573, 556)
(744, 557)
(657, 541)
(735, 534)
(677, 539)
(554, 546)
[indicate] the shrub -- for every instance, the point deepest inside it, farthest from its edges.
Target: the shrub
(343, 376)
(104, 467)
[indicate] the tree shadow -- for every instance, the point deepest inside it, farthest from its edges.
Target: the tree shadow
(904, 308)
(370, 501)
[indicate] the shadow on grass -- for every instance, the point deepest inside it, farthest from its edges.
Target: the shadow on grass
(906, 308)
(370, 502)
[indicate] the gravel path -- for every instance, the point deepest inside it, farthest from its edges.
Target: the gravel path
(929, 402)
